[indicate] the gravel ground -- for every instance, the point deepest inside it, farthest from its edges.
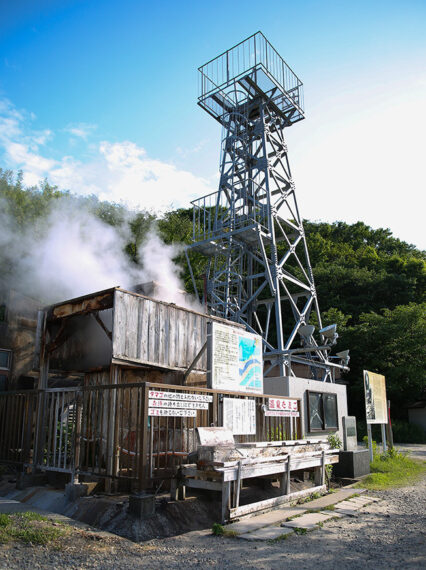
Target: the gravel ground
(387, 534)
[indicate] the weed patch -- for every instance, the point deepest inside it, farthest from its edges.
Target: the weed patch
(30, 528)
(392, 469)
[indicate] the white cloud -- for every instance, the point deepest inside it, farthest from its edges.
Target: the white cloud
(82, 130)
(119, 171)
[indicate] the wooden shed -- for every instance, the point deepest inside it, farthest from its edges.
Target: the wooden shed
(146, 339)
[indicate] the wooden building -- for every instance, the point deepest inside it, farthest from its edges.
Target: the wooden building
(18, 324)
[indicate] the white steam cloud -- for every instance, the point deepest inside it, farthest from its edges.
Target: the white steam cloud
(77, 254)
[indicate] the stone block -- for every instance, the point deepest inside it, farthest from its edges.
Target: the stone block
(74, 491)
(308, 521)
(267, 533)
(352, 464)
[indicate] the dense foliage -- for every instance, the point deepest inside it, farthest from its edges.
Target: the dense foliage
(370, 283)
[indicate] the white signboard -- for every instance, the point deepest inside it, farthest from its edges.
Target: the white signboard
(177, 404)
(283, 405)
(375, 398)
(282, 414)
(174, 413)
(235, 359)
(180, 396)
(239, 416)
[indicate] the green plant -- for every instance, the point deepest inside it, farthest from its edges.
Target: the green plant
(298, 530)
(4, 520)
(392, 470)
(373, 443)
(218, 529)
(328, 474)
(334, 441)
(280, 538)
(30, 527)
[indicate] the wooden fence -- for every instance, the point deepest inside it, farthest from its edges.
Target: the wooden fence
(107, 432)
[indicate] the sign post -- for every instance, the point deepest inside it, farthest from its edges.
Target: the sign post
(375, 406)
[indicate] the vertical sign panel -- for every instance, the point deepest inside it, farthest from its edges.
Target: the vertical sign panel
(239, 416)
(375, 398)
(235, 359)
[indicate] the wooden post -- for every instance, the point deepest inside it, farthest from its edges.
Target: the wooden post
(319, 473)
(385, 447)
(370, 442)
(173, 490)
(143, 464)
(238, 486)
(389, 428)
(77, 441)
(181, 492)
(287, 490)
(226, 488)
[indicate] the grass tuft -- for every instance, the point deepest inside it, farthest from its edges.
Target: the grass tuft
(218, 529)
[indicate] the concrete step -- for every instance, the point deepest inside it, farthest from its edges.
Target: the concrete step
(267, 533)
(331, 499)
(267, 519)
(310, 521)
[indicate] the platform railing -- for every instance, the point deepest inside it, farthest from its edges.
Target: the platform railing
(235, 63)
(219, 213)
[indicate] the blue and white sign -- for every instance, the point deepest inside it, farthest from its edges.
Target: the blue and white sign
(235, 359)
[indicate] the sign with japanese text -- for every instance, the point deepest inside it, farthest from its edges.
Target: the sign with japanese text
(283, 407)
(239, 416)
(177, 404)
(174, 413)
(235, 359)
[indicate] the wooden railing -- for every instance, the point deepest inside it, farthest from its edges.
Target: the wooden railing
(107, 432)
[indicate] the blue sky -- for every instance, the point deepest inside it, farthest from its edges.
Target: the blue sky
(100, 96)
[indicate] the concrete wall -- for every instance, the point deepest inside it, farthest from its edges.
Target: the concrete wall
(297, 388)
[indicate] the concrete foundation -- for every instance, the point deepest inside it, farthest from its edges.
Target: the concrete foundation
(142, 506)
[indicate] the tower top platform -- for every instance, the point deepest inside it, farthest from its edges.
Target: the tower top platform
(250, 70)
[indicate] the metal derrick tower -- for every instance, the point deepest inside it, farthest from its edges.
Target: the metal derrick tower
(259, 272)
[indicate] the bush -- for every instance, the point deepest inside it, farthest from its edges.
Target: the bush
(403, 432)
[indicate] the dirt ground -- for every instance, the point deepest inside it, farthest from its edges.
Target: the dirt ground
(387, 534)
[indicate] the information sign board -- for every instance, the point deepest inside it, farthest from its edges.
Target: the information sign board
(239, 416)
(375, 398)
(235, 360)
(177, 404)
(174, 413)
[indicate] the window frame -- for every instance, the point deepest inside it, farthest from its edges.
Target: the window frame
(323, 429)
(3, 368)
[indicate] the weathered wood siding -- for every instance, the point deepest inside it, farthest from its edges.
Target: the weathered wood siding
(150, 332)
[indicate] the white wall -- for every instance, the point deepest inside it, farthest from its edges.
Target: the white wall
(297, 388)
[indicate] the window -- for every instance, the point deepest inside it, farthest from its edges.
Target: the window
(5, 359)
(322, 411)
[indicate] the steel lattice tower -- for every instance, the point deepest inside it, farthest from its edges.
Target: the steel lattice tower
(259, 272)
